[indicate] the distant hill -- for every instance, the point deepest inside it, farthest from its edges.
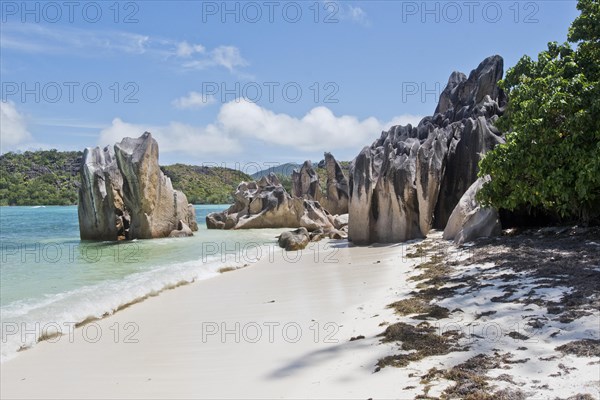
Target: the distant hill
(51, 177)
(283, 169)
(35, 178)
(205, 185)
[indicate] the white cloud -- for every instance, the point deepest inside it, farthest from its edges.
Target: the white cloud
(184, 49)
(175, 137)
(223, 56)
(317, 130)
(228, 57)
(36, 38)
(193, 100)
(13, 128)
(356, 14)
(241, 122)
(39, 39)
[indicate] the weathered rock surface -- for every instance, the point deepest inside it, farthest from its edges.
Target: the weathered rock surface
(183, 230)
(340, 221)
(266, 204)
(336, 201)
(336, 234)
(469, 220)
(294, 240)
(305, 184)
(125, 195)
(101, 212)
(411, 178)
(298, 239)
(317, 235)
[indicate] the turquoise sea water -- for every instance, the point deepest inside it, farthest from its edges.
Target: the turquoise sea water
(48, 276)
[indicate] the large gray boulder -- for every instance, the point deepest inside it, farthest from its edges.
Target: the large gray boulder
(154, 206)
(411, 178)
(469, 220)
(294, 240)
(125, 195)
(101, 211)
(340, 221)
(183, 230)
(266, 204)
(473, 139)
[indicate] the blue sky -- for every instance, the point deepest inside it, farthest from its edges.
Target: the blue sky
(316, 75)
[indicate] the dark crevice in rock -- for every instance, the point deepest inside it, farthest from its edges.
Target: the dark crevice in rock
(415, 176)
(125, 195)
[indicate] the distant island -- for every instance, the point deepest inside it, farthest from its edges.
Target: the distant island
(51, 177)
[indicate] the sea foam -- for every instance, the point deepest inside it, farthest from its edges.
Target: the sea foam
(42, 317)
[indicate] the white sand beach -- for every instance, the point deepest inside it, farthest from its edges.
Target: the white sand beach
(283, 329)
(294, 321)
(300, 200)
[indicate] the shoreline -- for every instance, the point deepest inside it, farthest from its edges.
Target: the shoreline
(304, 310)
(147, 270)
(224, 269)
(384, 321)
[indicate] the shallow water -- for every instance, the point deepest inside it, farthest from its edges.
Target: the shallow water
(50, 278)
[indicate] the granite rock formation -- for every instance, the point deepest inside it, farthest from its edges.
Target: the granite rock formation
(411, 178)
(125, 195)
(469, 220)
(266, 204)
(101, 211)
(336, 200)
(183, 230)
(294, 240)
(305, 184)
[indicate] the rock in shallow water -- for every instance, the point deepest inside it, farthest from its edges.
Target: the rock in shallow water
(101, 212)
(183, 230)
(125, 195)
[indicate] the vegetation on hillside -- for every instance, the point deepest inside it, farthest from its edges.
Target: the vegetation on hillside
(39, 178)
(286, 182)
(51, 177)
(551, 158)
(205, 185)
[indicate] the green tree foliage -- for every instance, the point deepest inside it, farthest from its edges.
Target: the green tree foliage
(39, 178)
(205, 185)
(286, 182)
(551, 158)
